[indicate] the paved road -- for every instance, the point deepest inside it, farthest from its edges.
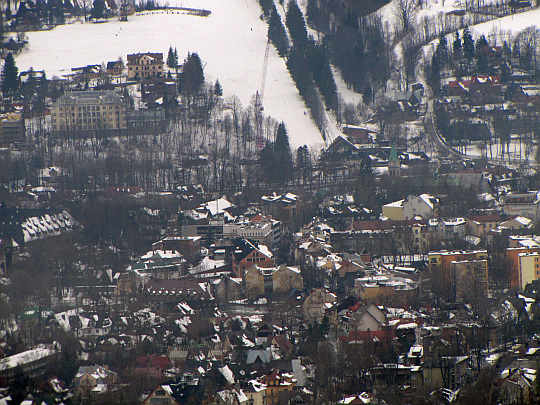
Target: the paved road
(440, 144)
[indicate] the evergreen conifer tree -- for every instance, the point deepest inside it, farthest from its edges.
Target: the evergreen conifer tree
(296, 24)
(10, 76)
(457, 47)
(170, 58)
(267, 6)
(276, 160)
(319, 66)
(277, 33)
(8, 11)
(481, 57)
(435, 74)
(367, 94)
(282, 149)
(98, 9)
(442, 50)
(192, 74)
(312, 13)
(468, 44)
(218, 90)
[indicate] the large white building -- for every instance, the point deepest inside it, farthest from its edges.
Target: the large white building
(424, 205)
(522, 204)
(89, 111)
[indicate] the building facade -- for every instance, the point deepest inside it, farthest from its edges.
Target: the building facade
(89, 111)
(144, 65)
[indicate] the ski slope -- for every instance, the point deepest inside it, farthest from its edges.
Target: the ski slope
(512, 23)
(231, 42)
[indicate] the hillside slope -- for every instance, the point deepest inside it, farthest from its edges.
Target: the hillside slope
(231, 42)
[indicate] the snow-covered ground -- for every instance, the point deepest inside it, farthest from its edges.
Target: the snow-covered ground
(512, 23)
(231, 42)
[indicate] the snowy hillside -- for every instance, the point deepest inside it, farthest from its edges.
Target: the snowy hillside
(231, 41)
(512, 23)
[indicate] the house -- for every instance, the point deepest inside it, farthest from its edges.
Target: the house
(447, 371)
(522, 204)
(343, 147)
(87, 72)
(115, 68)
(317, 304)
(310, 246)
(358, 135)
(517, 223)
(234, 396)
(518, 385)
(162, 394)
(283, 206)
(413, 97)
(263, 280)
(206, 220)
(189, 247)
(484, 89)
(143, 65)
(26, 226)
(227, 289)
(451, 228)
(256, 392)
(246, 253)
(258, 229)
(424, 205)
(277, 383)
(94, 379)
(175, 392)
(259, 355)
(167, 293)
(481, 225)
(161, 264)
(360, 399)
(386, 289)
(31, 362)
(360, 317)
(155, 88)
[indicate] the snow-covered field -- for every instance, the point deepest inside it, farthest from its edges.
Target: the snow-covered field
(512, 23)
(231, 42)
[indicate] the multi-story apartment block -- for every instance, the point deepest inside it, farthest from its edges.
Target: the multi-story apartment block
(89, 111)
(12, 128)
(469, 279)
(442, 269)
(141, 65)
(528, 268)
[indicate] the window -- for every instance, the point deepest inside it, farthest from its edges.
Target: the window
(160, 401)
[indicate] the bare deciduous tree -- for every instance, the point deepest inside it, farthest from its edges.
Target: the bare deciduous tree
(404, 10)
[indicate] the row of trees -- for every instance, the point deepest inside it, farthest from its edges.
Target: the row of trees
(308, 61)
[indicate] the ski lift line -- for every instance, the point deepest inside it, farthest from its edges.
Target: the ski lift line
(262, 79)
(259, 96)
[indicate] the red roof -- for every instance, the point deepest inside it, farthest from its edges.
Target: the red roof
(485, 218)
(154, 360)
